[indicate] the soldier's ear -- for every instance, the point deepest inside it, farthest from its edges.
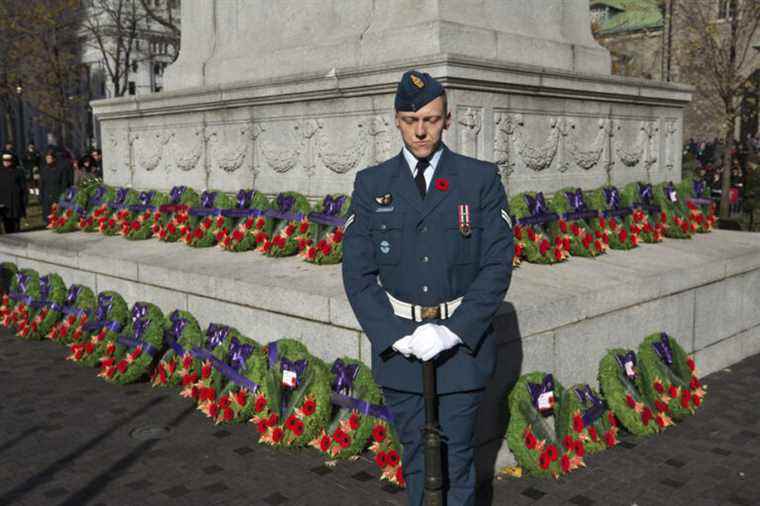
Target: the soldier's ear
(447, 121)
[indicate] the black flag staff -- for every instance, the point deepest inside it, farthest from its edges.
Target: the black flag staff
(431, 433)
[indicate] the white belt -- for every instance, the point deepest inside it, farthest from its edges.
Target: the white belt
(417, 313)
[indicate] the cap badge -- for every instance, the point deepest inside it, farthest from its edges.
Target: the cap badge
(417, 81)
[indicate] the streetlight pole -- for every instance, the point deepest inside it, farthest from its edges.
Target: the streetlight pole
(20, 135)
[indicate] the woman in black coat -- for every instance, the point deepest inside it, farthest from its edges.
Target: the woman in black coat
(12, 193)
(55, 178)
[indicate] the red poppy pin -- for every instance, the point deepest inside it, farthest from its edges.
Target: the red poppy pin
(442, 184)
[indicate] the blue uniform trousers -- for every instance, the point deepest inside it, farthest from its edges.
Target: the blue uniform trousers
(456, 414)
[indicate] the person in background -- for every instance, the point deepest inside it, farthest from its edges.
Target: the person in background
(13, 196)
(31, 162)
(55, 178)
(87, 166)
(97, 162)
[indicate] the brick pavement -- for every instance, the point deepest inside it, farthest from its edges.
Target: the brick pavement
(68, 438)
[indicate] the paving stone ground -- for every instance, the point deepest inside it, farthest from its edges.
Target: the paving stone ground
(67, 438)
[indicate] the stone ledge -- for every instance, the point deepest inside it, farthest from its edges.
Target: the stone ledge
(545, 298)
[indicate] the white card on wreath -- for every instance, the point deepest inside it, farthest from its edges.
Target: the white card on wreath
(289, 379)
(629, 369)
(546, 401)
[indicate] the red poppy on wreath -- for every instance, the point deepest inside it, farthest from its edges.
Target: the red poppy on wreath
(530, 441)
(378, 433)
(442, 184)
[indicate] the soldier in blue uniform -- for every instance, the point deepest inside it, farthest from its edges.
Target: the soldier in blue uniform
(427, 260)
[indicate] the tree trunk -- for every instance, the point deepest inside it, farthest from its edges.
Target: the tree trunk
(728, 159)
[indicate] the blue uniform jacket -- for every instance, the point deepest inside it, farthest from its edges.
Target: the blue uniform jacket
(414, 249)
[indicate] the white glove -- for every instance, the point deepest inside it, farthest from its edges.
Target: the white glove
(404, 346)
(431, 339)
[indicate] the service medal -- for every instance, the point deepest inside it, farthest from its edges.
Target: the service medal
(463, 215)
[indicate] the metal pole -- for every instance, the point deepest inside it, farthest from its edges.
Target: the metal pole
(431, 438)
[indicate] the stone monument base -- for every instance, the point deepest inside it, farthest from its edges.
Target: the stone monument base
(705, 292)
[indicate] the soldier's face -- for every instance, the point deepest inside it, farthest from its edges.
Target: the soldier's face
(422, 130)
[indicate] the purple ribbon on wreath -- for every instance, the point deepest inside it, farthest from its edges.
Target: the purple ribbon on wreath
(242, 209)
(138, 330)
(226, 371)
(216, 335)
(239, 353)
(72, 294)
(105, 302)
(45, 296)
(363, 407)
(21, 296)
(345, 374)
(330, 209)
(537, 390)
(624, 359)
(698, 190)
(612, 199)
(538, 210)
(174, 334)
(145, 198)
(139, 310)
(176, 193)
(597, 409)
(578, 205)
(119, 198)
(285, 209)
(663, 349)
(207, 205)
(97, 197)
(646, 194)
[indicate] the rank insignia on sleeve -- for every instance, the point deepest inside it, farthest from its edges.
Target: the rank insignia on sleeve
(349, 221)
(463, 215)
(384, 200)
(505, 217)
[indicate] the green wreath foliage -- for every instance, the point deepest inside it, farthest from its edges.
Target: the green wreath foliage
(531, 438)
(71, 207)
(616, 230)
(283, 242)
(172, 218)
(130, 363)
(349, 430)
(238, 400)
(110, 220)
(244, 231)
(294, 416)
(97, 206)
(702, 214)
(176, 367)
(137, 225)
(47, 312)
(583, 241)
(673, 390)
(205, 383)
(199, 232)
(323, 244)
(677, 223)
(25, 289)
(97, 344)
(624, 396)
(572, 429)
(78, 306)
(387, 452)
(534, 243)
(650, 224)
